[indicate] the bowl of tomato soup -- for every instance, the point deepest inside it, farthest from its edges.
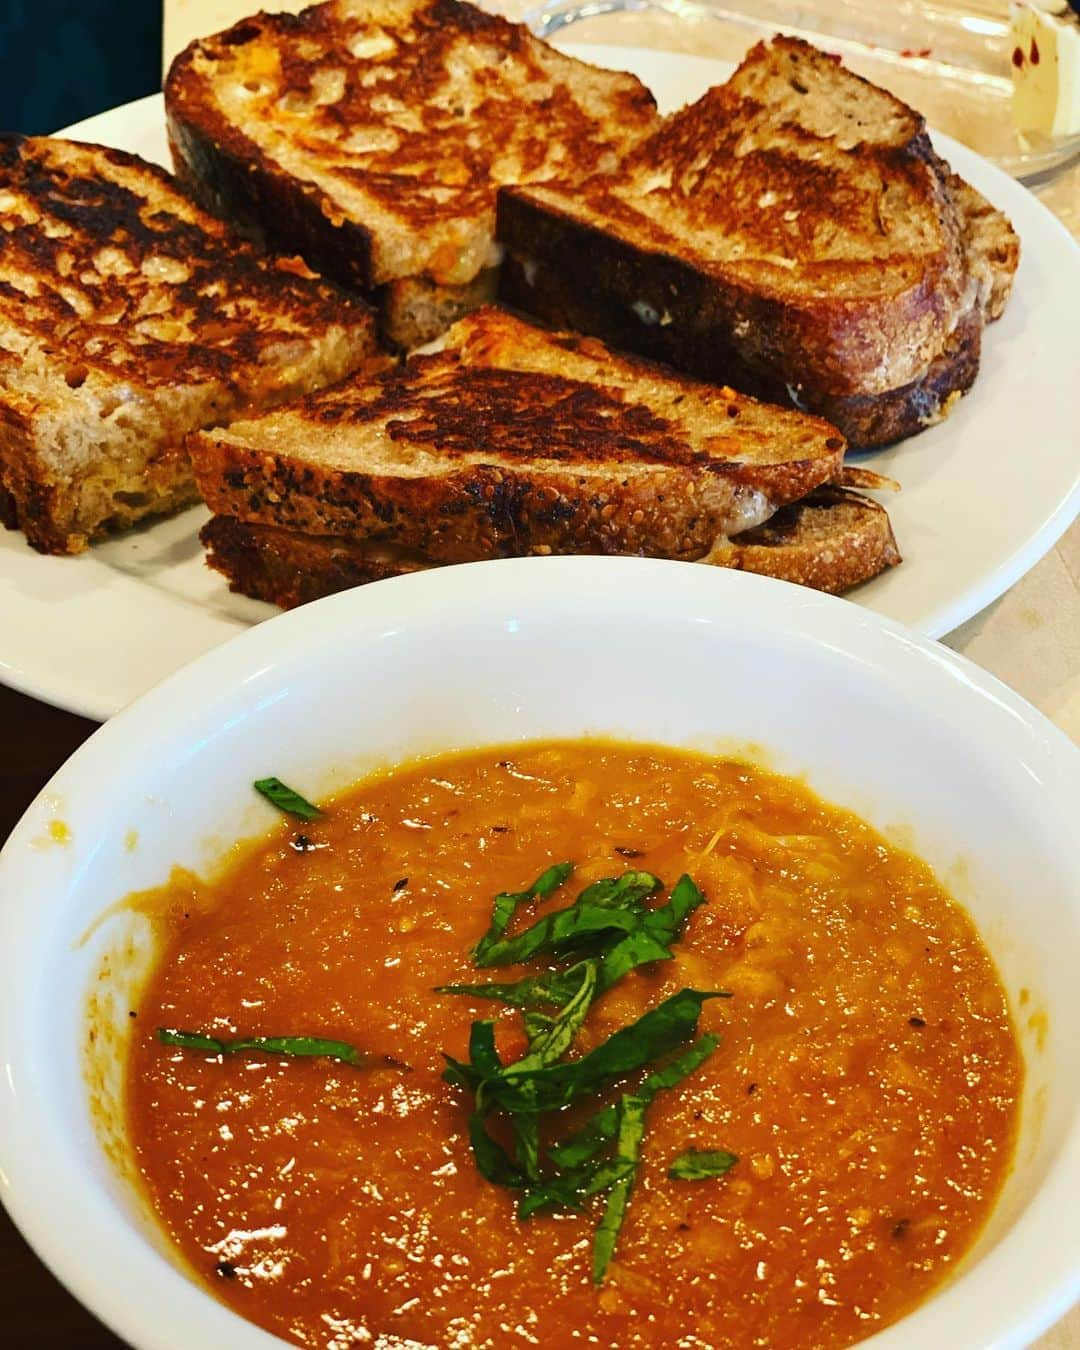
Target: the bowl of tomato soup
(554, 951)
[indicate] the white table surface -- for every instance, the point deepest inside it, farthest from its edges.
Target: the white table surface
(1030, 638)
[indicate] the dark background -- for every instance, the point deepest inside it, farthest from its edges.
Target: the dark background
(60, 61)
(63, 60)
(35, 1312)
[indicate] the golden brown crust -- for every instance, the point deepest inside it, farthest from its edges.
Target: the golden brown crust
(559, 296)
(371, 138)
(811, 250)
(832, 541)
(882, 419)
(481, 512)
(836, 270)
(515, 440)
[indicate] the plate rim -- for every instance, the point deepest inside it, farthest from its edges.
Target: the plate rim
(48, 680)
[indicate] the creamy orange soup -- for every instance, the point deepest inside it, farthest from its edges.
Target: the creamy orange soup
(867, 1078)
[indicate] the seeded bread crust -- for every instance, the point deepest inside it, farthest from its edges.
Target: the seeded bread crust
(128, 318)
(831, 541)
(514, 440)
(793, 234)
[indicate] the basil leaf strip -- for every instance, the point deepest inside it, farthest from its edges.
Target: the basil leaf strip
(491, 1158)
(548, 1042)
(558, 1035)
(613, 904)
(527, 1145)
(625, 892)
(482, 1053)
(647, 939)
(285, 799)
(557, 1085)
(651, 940)
(314, 1047)
(536, 991)
(603, 1127)
(631, 1131)
(508, 901)
(570, 1190)
(701, 1164)
(536, 1024)
(492, 1161)
(483, 1059)
(579, 1177)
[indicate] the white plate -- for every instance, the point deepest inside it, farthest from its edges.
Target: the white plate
(985, 495)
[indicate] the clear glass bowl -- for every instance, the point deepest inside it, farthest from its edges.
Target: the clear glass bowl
(948, 58)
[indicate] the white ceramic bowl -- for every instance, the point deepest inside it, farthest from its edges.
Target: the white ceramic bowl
(913, 738)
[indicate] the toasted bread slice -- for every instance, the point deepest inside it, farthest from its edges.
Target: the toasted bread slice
(370, 135)
(832, 541)
(129, 317)
(792, 233)
(514, 440)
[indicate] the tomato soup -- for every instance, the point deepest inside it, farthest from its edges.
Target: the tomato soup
(866, 1077)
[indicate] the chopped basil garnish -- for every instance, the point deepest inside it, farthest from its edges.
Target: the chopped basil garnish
(651, 940)
(285, 799)
(608, 916)
(550, 1040)
(538, 991)
(570, 1190)
(492, 1161)
(701, 1164)
(308, 1047)
(608, 931)
(557, 1085)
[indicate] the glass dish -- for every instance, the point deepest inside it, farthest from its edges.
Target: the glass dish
(948, 58)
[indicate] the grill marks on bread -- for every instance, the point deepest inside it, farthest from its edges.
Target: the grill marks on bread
(100, 252)
(795, 233)
(515, 440)
(732, 187)
(129, 317)
(397, 121)
(515, 414)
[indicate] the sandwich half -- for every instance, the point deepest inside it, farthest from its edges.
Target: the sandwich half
(793, 233)
(128, 318)
(370, 136)
(512, 440)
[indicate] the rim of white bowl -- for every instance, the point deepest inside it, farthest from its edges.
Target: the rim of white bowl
(1018, 1289)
